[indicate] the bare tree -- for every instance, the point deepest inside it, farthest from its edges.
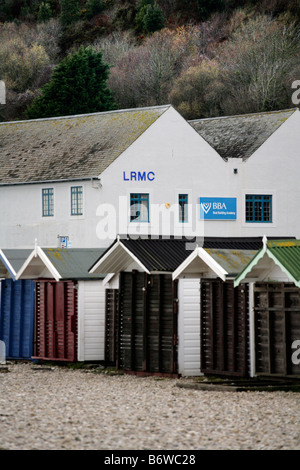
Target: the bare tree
(115, 46)
(145, 74)
(257, 62)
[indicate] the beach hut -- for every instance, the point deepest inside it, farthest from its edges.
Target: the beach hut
(69, 304)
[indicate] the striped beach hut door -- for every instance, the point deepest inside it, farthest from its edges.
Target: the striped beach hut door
(17, 318)
(147, 323)
(56, 320)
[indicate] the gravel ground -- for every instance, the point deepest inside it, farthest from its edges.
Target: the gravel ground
(56, 408)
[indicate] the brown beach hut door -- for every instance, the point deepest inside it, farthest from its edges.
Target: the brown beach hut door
(277, 328)
(224, 328)
(55, 320)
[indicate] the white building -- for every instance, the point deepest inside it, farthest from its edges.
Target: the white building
(82, 180)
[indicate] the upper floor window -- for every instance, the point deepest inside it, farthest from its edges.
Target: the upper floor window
(139, 207)
(48, 202)
(183, 207)
(76, 200)
(258, 208)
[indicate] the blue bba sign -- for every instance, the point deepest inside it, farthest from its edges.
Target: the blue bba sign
(220, 208)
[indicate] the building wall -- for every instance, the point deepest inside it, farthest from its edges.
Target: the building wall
(184, 163)
(274, 168)
(172, 159)
(178, 161)
(22, 221)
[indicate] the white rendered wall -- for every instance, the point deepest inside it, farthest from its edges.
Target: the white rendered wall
(91, 321)
(275, 169)
(22, 221)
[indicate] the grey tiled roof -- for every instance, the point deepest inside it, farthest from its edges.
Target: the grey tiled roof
(240, 136)
(71, 147)
(16, 257)
(233, 261)
(74, 263)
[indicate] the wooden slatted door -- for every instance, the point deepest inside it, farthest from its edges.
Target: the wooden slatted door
(224, 328)
(17, 317)
(55, 320)
(277, 328)
(147, 326)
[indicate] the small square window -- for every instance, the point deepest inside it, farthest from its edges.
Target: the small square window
(183, 207)
(258, 208)
(76, 200)
(139, 207)
(48, 202)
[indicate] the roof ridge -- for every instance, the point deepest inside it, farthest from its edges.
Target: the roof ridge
(72, 116)
(263, 113)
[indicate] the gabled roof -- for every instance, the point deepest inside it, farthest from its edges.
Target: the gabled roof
(283, 253)
(71, 147)
(240, 136)
(60, 263)
(224, 263)
(150, 255)
(11, 261)
(166, 255)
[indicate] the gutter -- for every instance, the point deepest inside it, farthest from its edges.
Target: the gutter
(87, 178)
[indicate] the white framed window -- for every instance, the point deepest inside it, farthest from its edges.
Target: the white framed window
(48, 202)
(76, 200)
(139, 207)
(183, 200)
(258, 208)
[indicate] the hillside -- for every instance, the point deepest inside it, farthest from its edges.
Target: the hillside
(205, 57)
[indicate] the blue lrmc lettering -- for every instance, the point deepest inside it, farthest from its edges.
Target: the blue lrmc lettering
(139, 176)
(151, 173)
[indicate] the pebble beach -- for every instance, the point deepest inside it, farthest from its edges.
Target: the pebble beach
(59, 408)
